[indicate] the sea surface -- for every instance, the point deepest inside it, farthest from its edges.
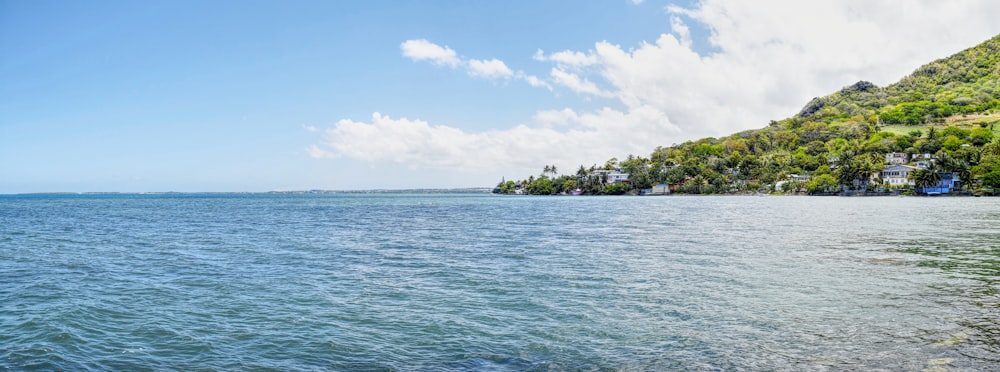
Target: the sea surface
(420, 282)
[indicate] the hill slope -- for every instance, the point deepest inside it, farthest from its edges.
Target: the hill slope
(964, 83)
(948, 109)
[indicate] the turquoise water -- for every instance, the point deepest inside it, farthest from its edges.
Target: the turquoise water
(479, 282)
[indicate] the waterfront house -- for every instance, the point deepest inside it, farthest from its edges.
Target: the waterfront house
(600, 174)
(617, 176)
(661, 189)
(608, 176)
(897, 158)
(949, 181)
(780, 185)
(897, 175)
(799, 177)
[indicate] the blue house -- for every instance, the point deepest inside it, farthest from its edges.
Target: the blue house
(948, 182)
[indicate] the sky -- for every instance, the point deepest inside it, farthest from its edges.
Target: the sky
(246, 95)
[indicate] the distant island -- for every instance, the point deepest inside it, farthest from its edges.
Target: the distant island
(936, 131)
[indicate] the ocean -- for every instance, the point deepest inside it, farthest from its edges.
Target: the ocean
(417, 282)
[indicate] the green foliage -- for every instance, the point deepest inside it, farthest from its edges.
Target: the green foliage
(541, 186)
(992, 179)
(952, 143)
(822, 183)
(955, 131)
(964, 83)
(980, 136)
(925, 177)
(835, 142)
(616, 189)
(916, 112)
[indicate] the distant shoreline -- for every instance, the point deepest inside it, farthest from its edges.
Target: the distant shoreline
(467, 190)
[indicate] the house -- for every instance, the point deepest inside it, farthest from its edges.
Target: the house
(600, 174)
(897, 158)
(617, 176)
(922, 161)
(897, 175)
(660, 189)
(800, 178)
(780, 185)
(949, 181)
(609, 176)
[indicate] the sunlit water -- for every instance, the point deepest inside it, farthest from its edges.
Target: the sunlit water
(479, 282)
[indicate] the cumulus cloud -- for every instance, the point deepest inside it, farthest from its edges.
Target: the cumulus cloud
(591, 139)
(576, 83)
(493, 68)
(535, 81)
(567, 58)
(761, 60)
(421, 50)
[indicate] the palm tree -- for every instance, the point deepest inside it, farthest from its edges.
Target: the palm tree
(845, 168)
(925, 178)
(957, 166)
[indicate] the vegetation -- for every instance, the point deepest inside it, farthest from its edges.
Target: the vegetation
(948, 109)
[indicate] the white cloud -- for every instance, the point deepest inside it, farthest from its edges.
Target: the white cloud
(681, 30)
(493, 68)
(420, 50)
(762, 60)
(567, 58)
(535, 81)
(589, 138)
(771, 57)
(576, 83)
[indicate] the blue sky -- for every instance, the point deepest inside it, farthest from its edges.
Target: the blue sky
(268, 95)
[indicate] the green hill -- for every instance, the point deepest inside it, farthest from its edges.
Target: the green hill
(964, 83)
(948, 109)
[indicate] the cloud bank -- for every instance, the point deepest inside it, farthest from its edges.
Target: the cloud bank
(763, 60)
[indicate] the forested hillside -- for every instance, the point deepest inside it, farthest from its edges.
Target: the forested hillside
(947, 111)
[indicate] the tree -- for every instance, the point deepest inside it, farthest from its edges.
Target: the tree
(992, 179)
(568, 185)
(821, 183)
(507, 187)
(924, 178)
(955, 165)
(611, 164)
(980, 136)
(541, 186)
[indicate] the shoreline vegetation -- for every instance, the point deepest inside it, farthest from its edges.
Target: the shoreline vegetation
(935, 132)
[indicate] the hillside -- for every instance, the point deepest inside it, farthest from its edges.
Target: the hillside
(947, 111)
(964, 83)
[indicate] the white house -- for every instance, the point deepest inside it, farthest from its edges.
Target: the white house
(897, 175)
(897, 158)
(616, 176)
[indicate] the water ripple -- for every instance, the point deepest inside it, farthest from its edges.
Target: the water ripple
(471, 282)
